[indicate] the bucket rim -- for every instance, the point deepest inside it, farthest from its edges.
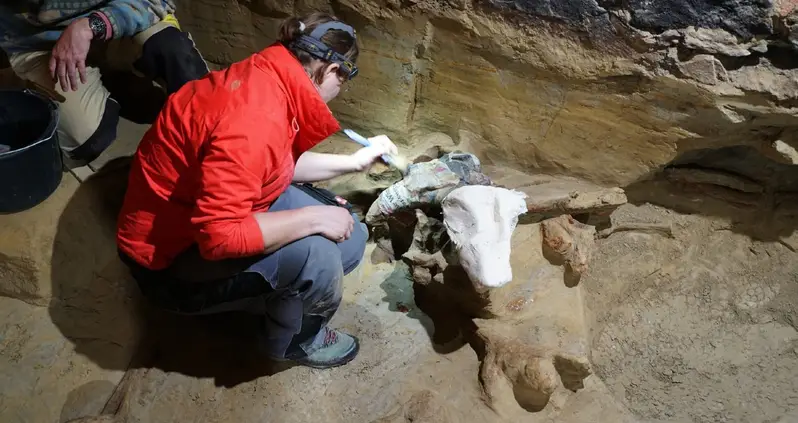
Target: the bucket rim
(48, 133)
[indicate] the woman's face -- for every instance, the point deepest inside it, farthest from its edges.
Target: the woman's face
(331, 83)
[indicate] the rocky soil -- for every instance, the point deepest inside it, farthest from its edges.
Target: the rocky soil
(655, 273)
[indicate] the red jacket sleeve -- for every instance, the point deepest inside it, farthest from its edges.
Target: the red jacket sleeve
(232, 169)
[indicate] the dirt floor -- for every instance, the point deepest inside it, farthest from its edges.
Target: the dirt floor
(699, 327)
(689, 317)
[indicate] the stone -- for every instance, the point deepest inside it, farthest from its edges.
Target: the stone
(397, 375)
(789, 153)
(704, 68)
(82, 173)
(743, 18)
(72, 318)
(766, 77)
(665, 309)
(713, 41)
(571, 11)
(535, 92)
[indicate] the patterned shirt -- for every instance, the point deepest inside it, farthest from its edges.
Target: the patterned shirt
(35, 25)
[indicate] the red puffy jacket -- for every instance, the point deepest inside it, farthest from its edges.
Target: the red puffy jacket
(222, 148)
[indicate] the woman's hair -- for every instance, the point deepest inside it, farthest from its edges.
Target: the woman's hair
(339, 41)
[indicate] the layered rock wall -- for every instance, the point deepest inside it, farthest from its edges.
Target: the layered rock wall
(604, 90)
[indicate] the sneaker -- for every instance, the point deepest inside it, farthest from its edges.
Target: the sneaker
(336, 350)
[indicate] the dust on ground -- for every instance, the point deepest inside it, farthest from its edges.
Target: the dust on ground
(698, 328)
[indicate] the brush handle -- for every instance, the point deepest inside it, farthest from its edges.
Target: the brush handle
(354, 136)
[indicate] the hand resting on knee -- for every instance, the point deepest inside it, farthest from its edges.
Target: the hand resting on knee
(284, 227)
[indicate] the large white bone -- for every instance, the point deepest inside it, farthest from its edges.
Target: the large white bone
(480, 221)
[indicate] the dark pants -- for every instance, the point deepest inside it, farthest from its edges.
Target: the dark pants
(296, 290)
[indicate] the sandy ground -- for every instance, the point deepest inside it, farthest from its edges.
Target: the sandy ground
(697, 326)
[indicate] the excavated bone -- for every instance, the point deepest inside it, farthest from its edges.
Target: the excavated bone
(571, 241)
(711, 177)
(517, 367)
(480, 221)
(550, 196)
(664, 229)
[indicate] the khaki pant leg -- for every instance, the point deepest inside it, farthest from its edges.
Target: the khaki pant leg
(80, 112)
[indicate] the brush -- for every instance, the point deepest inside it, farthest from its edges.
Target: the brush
(396, 161)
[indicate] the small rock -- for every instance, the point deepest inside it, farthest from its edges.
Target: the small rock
(761, 47)
(669, 38)
(713, 41)
(704, 68)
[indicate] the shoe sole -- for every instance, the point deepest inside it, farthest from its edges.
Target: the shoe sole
(344, 360)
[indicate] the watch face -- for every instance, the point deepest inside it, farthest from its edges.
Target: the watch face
(97, 26)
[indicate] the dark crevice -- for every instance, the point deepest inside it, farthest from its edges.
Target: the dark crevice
(779, 55)
(782, 56)
(732, 174)
(685, 54)
(735, 63)
(767, 215)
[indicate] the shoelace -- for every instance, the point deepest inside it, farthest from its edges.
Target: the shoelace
(331, 337)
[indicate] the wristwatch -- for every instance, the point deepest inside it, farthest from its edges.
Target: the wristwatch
(98, 28)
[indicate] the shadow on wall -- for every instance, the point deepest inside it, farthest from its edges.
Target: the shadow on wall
(97, 306)
(756, 195)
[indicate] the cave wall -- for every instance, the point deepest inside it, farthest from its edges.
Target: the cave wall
(605, 90)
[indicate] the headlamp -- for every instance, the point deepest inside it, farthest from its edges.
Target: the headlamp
(313, 45)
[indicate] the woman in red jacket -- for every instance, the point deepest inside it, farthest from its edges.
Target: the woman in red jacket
(211, 222)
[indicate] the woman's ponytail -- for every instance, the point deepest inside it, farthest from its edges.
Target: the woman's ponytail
(290, 29)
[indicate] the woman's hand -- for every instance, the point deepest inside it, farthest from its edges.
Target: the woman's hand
(332, 222)
(364, 158)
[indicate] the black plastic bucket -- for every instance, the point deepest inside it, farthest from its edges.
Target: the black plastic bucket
(30, 156)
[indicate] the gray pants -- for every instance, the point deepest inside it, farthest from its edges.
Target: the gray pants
(296, 290)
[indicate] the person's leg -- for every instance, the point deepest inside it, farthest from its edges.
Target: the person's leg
(297, 290)
(307, 276)
(88, 117)
(351, 250)
(170, 57)
(162, 53)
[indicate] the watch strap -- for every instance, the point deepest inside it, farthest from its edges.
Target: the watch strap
(99, 28)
